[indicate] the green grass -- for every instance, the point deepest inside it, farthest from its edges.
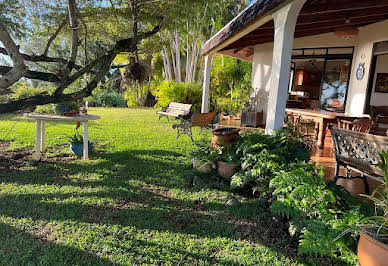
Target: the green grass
(131, 203)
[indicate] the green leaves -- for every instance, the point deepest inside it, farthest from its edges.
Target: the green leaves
(318, 212)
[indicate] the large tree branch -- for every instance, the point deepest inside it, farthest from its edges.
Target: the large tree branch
(40, 58)
(55, 34)
(69, 80)
(19, 68)
(100, 65)
(21, 104)
(38, 75)
(73, 23)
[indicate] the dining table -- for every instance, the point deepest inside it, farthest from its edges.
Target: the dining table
(322, 119)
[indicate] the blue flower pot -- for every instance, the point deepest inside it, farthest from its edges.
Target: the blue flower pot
(62, 108)
(78, 149)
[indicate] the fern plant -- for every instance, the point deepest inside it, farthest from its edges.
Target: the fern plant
(317, 212)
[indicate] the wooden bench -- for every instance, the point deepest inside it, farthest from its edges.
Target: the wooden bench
(175, 110)
(203, 120)
(359, 152)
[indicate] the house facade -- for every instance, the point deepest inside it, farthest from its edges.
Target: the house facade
(313, 53)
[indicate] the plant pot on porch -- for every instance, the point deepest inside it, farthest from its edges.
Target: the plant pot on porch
(227, 170)
(201, 166)
(371, 252)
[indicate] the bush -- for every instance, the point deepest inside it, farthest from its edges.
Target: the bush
(262, 156)
(106, 97)
(317, 212)
(22, 91)
(45, 109)
(189, 93)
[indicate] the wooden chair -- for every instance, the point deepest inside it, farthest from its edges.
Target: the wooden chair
(203, 120)
(360, 125)
(379, 115)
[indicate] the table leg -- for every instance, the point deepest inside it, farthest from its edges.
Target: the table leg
(321, 134)
(43, 136)
(38, 133)
(86, 141)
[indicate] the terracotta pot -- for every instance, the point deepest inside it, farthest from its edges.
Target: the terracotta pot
(201, 166)
(354, 186)
(227, 170)
(224, 137)
(371, 252)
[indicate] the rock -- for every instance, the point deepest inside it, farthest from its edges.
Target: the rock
(198, 182)
(233, 202)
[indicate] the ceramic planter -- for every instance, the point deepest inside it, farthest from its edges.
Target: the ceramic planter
(224, 136)
(227, 170)
(78, 148)
(371, 252)
(201, 166)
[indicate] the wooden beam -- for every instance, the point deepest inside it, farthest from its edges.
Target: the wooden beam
(336, 6)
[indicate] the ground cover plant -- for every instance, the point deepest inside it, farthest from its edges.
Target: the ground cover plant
(133, 202)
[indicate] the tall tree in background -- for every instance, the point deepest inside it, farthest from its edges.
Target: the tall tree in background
(83, 45)
(182, 42)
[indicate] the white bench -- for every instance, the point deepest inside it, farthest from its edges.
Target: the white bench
(175, 110)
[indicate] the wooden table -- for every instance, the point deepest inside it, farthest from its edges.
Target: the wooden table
(322, 118)
(40, 129)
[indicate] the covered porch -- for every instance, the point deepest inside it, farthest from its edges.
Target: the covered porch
(298, 46)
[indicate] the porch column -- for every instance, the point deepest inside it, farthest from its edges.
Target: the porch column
(206, 84)
(284, 21)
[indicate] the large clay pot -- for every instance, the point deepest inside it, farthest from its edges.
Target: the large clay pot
(371, 252)
(224, 136)
(227, 170)
(354, 186)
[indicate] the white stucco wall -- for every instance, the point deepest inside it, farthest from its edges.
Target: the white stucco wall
(261, 77)
(368, 35)
(378, 99)
(363, 53)
(262, 64)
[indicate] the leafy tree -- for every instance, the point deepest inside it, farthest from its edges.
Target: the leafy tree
(82, 47)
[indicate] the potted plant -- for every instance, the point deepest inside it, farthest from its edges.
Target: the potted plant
(373, 243)
(303, 146)
(77, 142)
(203, 156)
(66, 107)
(228, 164)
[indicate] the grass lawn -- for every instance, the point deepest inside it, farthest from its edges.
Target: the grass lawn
(132, 203)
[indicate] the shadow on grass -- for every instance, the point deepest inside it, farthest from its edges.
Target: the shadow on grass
(142, 206)
(20, 248)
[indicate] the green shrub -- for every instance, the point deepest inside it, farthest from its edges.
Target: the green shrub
(106, 97)
(45, 109)
(262, 156)
(317, 212)
(22, 91)
(189, 93)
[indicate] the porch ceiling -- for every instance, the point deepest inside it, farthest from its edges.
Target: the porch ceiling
(316, 17)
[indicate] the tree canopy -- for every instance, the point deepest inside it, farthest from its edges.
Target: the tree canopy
(63, 43)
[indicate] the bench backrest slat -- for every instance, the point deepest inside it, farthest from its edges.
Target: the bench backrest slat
(179, 108)
(358, 149)
(203, 119)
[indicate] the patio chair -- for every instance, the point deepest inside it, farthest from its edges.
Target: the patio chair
(203, 120)
(360, 125)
